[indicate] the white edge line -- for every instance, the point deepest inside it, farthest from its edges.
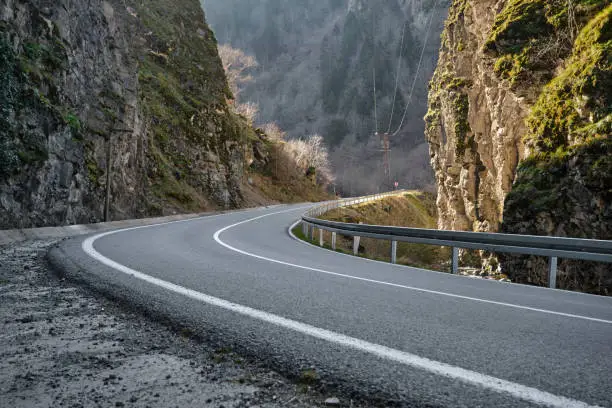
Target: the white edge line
(397, 285)
(489, 281)
(398, 356)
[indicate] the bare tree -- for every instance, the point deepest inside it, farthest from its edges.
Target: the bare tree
(311, 155)
(274, 132)
(249, 110)
(236, 65)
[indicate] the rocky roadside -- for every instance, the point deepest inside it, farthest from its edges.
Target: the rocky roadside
(62, 346)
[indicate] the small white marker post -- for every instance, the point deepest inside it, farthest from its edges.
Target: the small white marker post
(455, 261)
(356, 245)
(334, 241)
(321, 237)
(393, 252)
(356, 240)
(552, 272)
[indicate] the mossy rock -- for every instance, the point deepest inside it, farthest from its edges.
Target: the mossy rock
(530, 37)
(517, 24)
(566, 193)
(577, 104)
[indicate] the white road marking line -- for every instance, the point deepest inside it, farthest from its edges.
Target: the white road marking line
(397, 285)
(496, 384)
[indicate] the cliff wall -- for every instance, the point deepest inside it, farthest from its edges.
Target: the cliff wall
(519, 127)
(137, 87)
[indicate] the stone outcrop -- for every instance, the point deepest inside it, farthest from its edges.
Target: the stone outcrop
(145, 80)
(519, 127)
(475, 124)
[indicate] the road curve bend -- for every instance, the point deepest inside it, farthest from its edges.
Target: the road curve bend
(406, 335)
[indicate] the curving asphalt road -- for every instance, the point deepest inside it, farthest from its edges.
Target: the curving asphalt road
(405, 335)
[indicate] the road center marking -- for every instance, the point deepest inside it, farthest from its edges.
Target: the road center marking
(496, 384)
(397, 285)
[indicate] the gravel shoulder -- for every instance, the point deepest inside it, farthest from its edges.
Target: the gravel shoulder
(62, 345)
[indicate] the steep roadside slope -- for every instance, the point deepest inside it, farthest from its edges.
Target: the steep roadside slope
(519, 126)
(134, 86)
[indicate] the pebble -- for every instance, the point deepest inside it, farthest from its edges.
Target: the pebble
(332, 402)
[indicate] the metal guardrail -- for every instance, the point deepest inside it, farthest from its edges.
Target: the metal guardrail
(552, 247)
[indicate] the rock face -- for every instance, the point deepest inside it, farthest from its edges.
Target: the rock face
(475, 124)
(120, 84)
(519, 127)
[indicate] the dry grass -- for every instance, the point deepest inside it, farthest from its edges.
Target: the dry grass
(414, 209)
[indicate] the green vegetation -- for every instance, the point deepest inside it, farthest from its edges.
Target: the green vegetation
(9, 161)
(530, 37)
(456, 12)
(461, 105)
(94, 173)
(565, 193)
(577, 104)
(31, 156)
(562, 188)
(308, 377)
(183, 90)
(74, 122)
(511, 66)
(28, 76)
(445, 84)
(517, 24)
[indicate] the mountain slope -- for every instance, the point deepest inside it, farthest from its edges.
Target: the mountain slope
(316, 75)
(135, 87)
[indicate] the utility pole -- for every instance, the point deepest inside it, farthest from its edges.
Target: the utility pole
(109, 167)
(385, 147)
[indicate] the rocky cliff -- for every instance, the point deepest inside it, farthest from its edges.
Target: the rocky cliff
(133, 87)
(519, 126)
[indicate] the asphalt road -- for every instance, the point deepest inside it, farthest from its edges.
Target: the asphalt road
(404, 335)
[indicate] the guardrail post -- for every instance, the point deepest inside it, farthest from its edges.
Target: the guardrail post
(356, 245)
(310, 231)
(455, 261)
(393, 252)
(320, 236)
(334, 241)
(304, 228)
(356, 240)
(552, 272)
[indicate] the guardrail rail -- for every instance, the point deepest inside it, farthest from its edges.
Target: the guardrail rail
(551, 247)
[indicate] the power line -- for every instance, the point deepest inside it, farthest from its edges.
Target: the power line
(374, 72)
(375, 108)
(416, 76)
(397, 76)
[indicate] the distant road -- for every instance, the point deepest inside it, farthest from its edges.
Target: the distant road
(415, 337)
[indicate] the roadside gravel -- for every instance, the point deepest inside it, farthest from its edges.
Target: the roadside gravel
(60, 345)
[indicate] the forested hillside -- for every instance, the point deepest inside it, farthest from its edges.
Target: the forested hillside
(317, 63)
